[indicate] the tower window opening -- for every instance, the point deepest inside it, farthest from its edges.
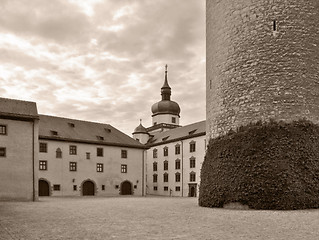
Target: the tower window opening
(275, 25)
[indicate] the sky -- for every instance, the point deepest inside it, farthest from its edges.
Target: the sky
(104, 60)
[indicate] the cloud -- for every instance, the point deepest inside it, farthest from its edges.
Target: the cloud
(104, 60)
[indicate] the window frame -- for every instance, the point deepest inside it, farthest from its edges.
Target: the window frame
(155, 153)
(99, 152)
(177, 177)
(177, 164)
(165, 165)
(165, 177)
(4, 150)
(165, 151)
(43, 165)
(155, 178)
(58, 153)
(72, 166)
(99, 167)
(3, 129)
(192, 177)
(73, 150)
(192, 162)
(88, 155)
(177, 149)
(123, 168)
(192, 146)
(155, 166)
(123, 153)
(43, 147)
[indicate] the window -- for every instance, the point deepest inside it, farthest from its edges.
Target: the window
(72, 150)
(155, 153)
(177, 164)
(43, 165)
(135, 186)
(99, 167)
(100, 138)
(165, 165)
(123, 168)
(154, 177)
(123, 153)
(72, 166)
(58, 153)
(117, 186)
(177, 189)
(165, 188)
(165, 149)
(155, 188)
(154, 166)
(192, 162)
(192, 177)
(54, 133)
(56, 187)
(177, 177)
(177, 149)
(103, 187)
(43, 147)
(75, 187)
(2, 152)
(3, 130)
(88, 155)
(192, 146)
(165, 175)
(71, 125)
(99, 152)
(173, 120)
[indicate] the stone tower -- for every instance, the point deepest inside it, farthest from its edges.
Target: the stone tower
(262, 62)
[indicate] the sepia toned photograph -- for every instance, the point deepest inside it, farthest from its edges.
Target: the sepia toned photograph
(163, 119)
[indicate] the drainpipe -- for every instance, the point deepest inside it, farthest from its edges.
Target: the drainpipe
(182, 168)
(33, 181)
(143, 153)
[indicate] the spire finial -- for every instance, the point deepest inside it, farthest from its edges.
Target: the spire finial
(140, 120)
(166, 68)
(166, 89)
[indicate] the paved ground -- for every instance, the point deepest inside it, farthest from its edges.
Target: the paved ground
(148, 218)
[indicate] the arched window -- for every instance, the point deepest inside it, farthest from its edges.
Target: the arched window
(154, 153)
(192, 162)
(177, 164)
(165, 151)
(165, 177)
(177, 149)
(58, 153)
(192, 177)
(192, 146)
(154, 166)
(177, 177)
(155, 178)
(165, 165)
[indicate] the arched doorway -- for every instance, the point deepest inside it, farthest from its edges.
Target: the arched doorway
(192, 190)
(126, 188)
(44, 188)
(88, 188)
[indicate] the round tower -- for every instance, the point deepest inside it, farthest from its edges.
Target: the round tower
(262, 62)
(140, 133)
(166, 111)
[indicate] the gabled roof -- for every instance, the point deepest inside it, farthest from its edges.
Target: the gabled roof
(12, 108)
(65, 129)
(180, 133)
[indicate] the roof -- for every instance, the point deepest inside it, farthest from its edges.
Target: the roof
(180, 133)
(65, 129)
(12, 108)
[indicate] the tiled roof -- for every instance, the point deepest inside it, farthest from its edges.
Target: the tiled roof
(64, 129)
(18, 109)
(185, 132)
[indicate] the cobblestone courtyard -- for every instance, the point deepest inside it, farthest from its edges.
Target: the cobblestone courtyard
(148, 218)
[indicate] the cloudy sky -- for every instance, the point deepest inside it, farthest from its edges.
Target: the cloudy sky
(103, 60)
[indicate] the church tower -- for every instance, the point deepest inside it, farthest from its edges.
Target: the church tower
(165, 113)
(262, 62)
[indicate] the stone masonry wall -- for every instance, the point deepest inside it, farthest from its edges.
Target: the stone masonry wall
(262, 62)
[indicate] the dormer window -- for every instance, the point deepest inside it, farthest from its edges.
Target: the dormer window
(165, 138)
(71, 124)
(54, 133)
(100, 138)
(108, 130)
(192, 132)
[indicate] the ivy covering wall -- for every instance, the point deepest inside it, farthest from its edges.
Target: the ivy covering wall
(273, 165)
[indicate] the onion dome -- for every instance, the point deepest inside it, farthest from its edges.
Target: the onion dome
(166, 106)
(140, 129)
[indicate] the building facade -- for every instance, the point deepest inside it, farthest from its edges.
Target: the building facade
(78, 158)
(175, 153)
(18, 150)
